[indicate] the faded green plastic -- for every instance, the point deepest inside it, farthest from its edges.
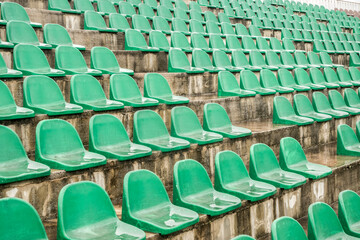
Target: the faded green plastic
(135, 41)
(140, 23)
(185, 124)
(85, 211)
(86, 91)
(150, 130)
(324, 224)
(126, 9)
(243, 237)
(164, 12)
(354, 60)
(351, 98)
(106, 7)
(322, 105)
(331, 77)
(20, 221)
(199, 41)
(71, 61)
(118, 22)
(303, 78)
(221, 60)
(344, 76)
(238, 59)
(179, 40)
(94, 21)
(192, 189)
(268, 80)
(146, 11)
(232, 177)
(59, 146)
(158, 40)
(354, 73)
(62, 5)
(301, 59)
(285, 228)
(83, 5)
(265, 167)
(178, 62)
(43, 96)
(349, 212)
(293, 159)
(326, 59)
(196, 26)
(217, 120)
(57, 35)
(228, 86)
(249, 45)
(200, 59)
(30, 60)
(286, 79)
(277, 47)
(104, 60)
(158, 215)
(123, 88)
(249, 81)
(314, 59)
(284, 113)
(157, 87)
(233, 42)
(347, 141)
(304, 108)
(256, 59)
(160, 24)
(216, 42)
(108, 137)
(317, 77)
(179, 25)
(337, 102)
(14, 11)
(272, 59)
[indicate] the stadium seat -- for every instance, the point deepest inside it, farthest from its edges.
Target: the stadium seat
(285, 114)
(331, 77)
(186, 125)
(216, 43)
(242, 31)
(164, 12)
(344, 76)
(314, 59)
(196, 15)
(248, 45)
(94, 21)
(62, 5)
(106, 7)
(272, 59)
(249, 81)
(303, 78)
(158, 40)
(192, 189)
(323, 223)
(118, 22)
(326, 59)
(233, 43)
(262, 45)
(179, 25)
(301, 59)
(123, 88)
(180, 4)
(104, 60)
(158, 215)
(337, 102)
(277, 47)
(265, 167)
(157, 87)
(85, 205)
(179, 40)
(86, 91)
(348, 209)
(196, 26)
(59, 146)
(30, 223)
(293, 159)
(286, 79)
(57, 35)
(256, 59)
(238, 59)
(178, 62)
(141, 24)
(217, 120)
(227, 29)
(286, 228)
(268, 80)
(228, 86)
(14, 11)
(126, 9)
(232, 177)
(152, 3)
(181, 14)
(243, 237)
(108, 137)
(6, 72)
(200, 59)
(322, 105)
(160, 24)
(354, 60)
(317, 77)
(354, 73)
(146, 11)
(199, 41)
(135, 41)
(71, 61)
(221, 60)
(44, 96)
(351, 98)
(84, 5)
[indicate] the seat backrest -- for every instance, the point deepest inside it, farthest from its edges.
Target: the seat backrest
(134, 38)
(158, 39)
(301, 76)
(164, 12)
(227, 28)
(248, 80)
(288, 44)
(28, 226)
(262, 159)
(256, 58)
(351, 97)
(56, 34)
(149, 125)
(300, 58)
(200, 59)
(94, 20)
(139, 22)
(254, 31)
(287, 59)
(184, 121)
(56, 136)
(126, 8)
(156, 84)
(85, 88)
(20, 32)
(13, 11)
(223, 18)
(194, 6)
(178, 58)
(325, 58)
(215, 116)
(354, 73)
(233, 42)
(160, 23)
(261, 43)
(220, 59)
(106, 130)
(239, 59)
(83, 5)
(122, 86)
(167, 3)
(105, 6)
(196, 26)
(283, 107)
(180, 13)
(179, 25)
(286, 228)
(241, 30)
(13, 151)
(181, 5)
(41, 90)
(68, 57)
(227, 81)
(268, 79)
(118, 22)
(272, 58)
(313, 58)
(291, 151)
(349, 208)
(7, 102)
(336, 99)
(103, 58)
(316, 75)
(30, 57)
(330, 75)
(146, 10)
(212, 27)
(275, 44)
(196, 15)
(343, 74)
(320, 102)
(210, 16)
(59, 4)
(179, 40)
(215, 41)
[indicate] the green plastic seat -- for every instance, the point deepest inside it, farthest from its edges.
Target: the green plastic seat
(108, 137)
(186, 125)
(193, 190)
(196, 26)
(289, 45)
(351, 98)
(276, 46)
(126, 9)
(338, 103)
(213, 28)
(86, 91)
(287, 228)
(301, 59)
(85, 211)
(18, 214)
(118, 22)
(354, 60)
(284, 113)
(194, 6)
(241, 30)
(84, 5)
(262, 45)
(217, 120)
(158, 40)
(179, 40)
(248, 45)
(249, 81)
(14, 11)
(264, 167)
(227, 29)
(105, 6)
(272, 59)
(178, 62)
(326, 59)
(94, 21)
(349, 202)
(331, 77)
(179, 25)
(302, 78)
(318, 78)
(209, 16)
(160, 24)
(146, 11)
(158, 215)
(268, 80)
(59, 146)
(62, 5)
(228, 86)
(104, 60)
(157, 87)
(286, 79)
(292, 158)
(5, 72)
(123, 88)
(233, 43)
(243, 237)
(200, 59)
(181, 14)
(43, 96)
(180, 4)
(322, 105)
(221, 60)
(135, 41)
(196, 15)
(164, 12)
(232, 177)
(256, 59)
(323, 223)
(57, 35)
(216, 42)
(152, 3)
(344, 76)
(71, 61)
(355, 74)
(168, 4)
(140, 23)
(238, 59)
(314, 59)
